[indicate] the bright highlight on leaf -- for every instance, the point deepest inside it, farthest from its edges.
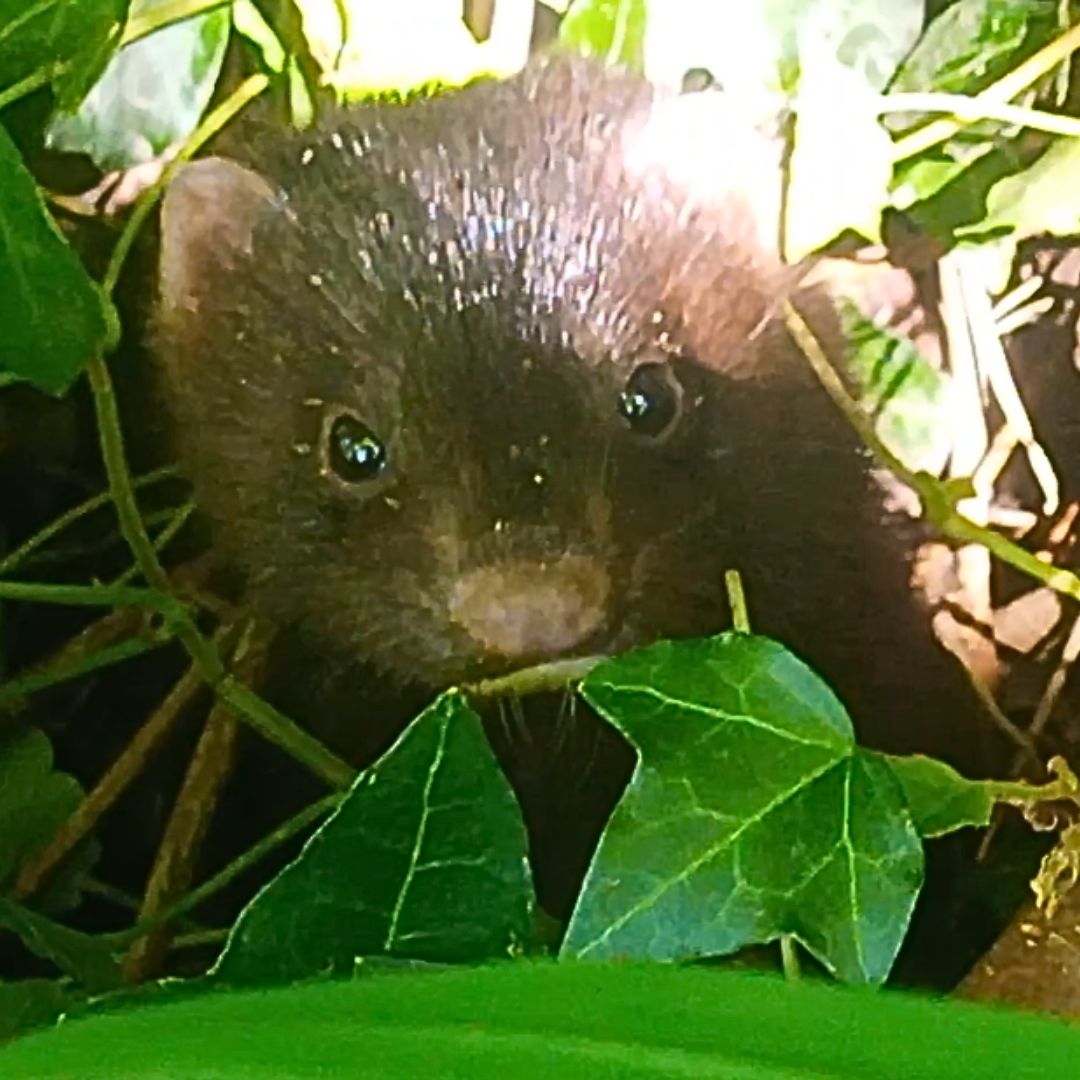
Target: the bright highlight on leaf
(131, 115)
(362, 49)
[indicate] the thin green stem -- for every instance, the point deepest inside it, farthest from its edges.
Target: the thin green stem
(34, 81)
(95, 887)
(88, 595)
(111, 440)
(554, 675)
(64, 553)
(25, 685)
(789, 958)
(248, 707)
(10, 561)
(1005, 89)
(970, 109)
(255, 854)
(199, 939)
(740, 615)
(279, 729)
(178, 520)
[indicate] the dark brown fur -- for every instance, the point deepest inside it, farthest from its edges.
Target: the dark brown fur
(477, 276)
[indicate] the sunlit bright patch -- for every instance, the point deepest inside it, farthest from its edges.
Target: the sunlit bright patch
(701, 144)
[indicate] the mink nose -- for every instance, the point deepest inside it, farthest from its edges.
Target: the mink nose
(532, 611)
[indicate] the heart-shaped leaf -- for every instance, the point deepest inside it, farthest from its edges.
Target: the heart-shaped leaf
(425, 859)
(751, 814)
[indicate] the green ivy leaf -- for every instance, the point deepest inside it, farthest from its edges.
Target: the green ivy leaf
(132, 114)
(425, 859)
(69, 39)
(939, 799)
(907, 397)
(34, 799)
(610, 29)
(537, 1021)
(751, 814)
(968, 45)
(52, 315)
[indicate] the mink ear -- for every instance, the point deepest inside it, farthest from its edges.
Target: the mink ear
(208, 216)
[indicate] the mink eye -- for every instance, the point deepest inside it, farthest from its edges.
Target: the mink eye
(354, 453)
(650, 402)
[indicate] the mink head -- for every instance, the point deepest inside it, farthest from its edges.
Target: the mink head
(489, 378)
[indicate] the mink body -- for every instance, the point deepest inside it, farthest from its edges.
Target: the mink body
(462, 390)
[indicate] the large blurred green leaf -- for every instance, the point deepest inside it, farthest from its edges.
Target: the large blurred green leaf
(69, 40)
(751, 814)
(52, 316)
(425, 859)
(152, 94)
(570, 1021)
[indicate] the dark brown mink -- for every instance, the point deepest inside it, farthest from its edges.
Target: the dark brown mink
(486, 379)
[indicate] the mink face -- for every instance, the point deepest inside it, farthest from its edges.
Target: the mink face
(462, 387)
